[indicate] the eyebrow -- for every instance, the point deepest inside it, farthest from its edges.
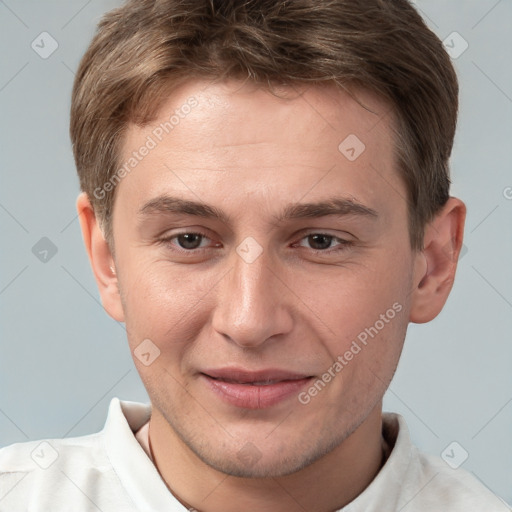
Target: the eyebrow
(334, 206)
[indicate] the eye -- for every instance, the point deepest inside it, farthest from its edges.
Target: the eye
(322, 242)
(191, 241)
(187, 241)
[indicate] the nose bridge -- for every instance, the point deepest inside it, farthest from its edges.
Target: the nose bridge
(250, 308)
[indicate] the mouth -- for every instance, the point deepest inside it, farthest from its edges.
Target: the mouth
(251, 383)
(254, 389)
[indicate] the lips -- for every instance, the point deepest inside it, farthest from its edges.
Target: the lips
(261, 377)
(250, 383)
(256, 389)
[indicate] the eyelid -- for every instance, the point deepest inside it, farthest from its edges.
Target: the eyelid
(319, 231)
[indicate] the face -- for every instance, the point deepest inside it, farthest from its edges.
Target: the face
(263, 234)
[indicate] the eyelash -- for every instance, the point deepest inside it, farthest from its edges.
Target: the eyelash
(343, 244)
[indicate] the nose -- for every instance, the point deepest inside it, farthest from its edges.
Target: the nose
(252, 303)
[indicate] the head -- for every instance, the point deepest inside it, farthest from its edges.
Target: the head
(265, 185)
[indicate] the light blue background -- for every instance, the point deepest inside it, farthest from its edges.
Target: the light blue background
(62, 358)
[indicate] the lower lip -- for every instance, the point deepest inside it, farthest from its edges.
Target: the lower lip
(255, 397)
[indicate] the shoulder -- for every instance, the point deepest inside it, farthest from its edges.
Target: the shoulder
(454, 486)
(44, 453)
(37, 475)
(44, 475)
(431, 483)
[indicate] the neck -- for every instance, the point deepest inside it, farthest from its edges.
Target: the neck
(326, 485)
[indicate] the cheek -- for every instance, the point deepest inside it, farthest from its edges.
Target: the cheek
(162, 303)
(370, 339)
(366, 313)
(352, 297)
(368, 358)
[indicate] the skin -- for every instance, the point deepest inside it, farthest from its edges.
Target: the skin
(249, 154)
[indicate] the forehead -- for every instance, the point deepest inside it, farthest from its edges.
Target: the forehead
(256, 112)
(239, 138)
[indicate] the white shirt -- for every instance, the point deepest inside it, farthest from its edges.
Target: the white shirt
(110, 472)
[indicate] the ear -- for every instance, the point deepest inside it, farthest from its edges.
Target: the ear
(100, 256)
(436, 264)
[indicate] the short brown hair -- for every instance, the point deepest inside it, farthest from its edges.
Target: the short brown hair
(145, 48)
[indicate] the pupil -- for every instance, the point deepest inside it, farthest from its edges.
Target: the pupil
(186, 240)
(318, 239)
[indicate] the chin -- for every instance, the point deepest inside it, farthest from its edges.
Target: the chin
(265, 467)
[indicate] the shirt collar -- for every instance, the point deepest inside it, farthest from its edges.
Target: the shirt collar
(384, 492)
(137, 473)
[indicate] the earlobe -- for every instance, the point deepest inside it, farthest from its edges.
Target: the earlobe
(435, 265)
(100, 257)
